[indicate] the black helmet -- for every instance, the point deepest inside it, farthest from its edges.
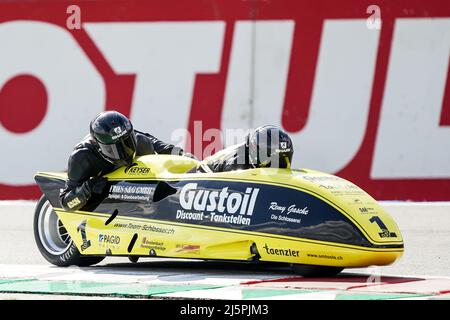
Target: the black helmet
(270, 146)
(115, 136)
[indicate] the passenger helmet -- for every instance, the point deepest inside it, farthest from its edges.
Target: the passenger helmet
(115, 137)
(269, 146)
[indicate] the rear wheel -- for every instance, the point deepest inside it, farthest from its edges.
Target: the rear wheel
(315, 271)
(53, 240)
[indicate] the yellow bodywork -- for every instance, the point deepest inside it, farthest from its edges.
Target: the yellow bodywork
(182, 240)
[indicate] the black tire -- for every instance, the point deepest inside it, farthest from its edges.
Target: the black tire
(315, 271)
(68, 254)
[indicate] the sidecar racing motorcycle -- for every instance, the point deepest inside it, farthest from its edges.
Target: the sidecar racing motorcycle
(315, 222)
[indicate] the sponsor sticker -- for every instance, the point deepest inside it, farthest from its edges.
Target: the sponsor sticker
(285, 213)
(111, 239)
(281, 252)
(155, 245)
(144, 227)
(119, 133)
(366, 210)
(108, 241)
(73, 203)
(324, 256)
(318, 178)
(135, 170)
(219, 206)
(131, 192)
(188, 248)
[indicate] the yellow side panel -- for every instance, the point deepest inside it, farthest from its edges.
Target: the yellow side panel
(154, 238)
(373, 221)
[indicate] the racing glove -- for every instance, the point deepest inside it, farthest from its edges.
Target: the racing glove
(96, 185)
(76, 197)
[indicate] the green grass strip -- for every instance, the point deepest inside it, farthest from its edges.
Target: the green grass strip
(95, 288)
(267, 293)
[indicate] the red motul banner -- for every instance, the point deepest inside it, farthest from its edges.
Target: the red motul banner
(361, 87)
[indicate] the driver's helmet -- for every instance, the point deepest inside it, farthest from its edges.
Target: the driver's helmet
(269, 146)
(115, 137)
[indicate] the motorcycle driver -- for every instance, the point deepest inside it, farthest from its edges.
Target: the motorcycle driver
(265, 146)
(112, 143)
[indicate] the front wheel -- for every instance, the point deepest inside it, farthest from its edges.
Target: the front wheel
(53, 240)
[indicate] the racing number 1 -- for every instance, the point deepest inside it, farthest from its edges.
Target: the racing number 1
(385, 233)
(82, 229)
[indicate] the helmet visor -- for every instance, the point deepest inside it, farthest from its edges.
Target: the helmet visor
(122, 152)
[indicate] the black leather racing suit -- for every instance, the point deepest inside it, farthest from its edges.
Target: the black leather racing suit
(229, 159)
(86, 162)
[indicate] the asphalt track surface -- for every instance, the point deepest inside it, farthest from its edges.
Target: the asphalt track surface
(425, 228)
